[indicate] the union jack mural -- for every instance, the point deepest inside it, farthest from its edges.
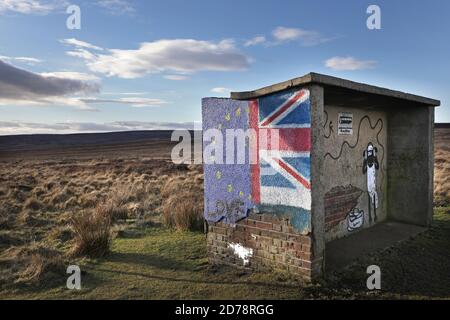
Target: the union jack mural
(287, 182)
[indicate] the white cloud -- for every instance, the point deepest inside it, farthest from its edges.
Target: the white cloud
(306, 37)
(125, 93)
(31, 6)
(20, 127)
(221, 90)
(80, 44)
(27, 60)
(175, 77)
(349, 63)
(116, 7)
(71, 75)
(81, 53)
(254, 41)
(178, 55)
(135, 102)
(47, 101)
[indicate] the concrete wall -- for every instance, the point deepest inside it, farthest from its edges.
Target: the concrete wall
(318, 181)
(410, 164)
(349, 207)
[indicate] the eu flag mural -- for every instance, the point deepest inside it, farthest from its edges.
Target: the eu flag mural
(227, 186)
(277, 179)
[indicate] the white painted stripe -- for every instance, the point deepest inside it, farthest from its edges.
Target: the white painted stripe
(286, 197)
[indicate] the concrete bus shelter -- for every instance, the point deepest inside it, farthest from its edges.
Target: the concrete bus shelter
(352, 171)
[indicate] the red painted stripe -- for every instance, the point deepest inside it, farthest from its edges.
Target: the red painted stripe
(288, 104)
(254, 121)
(289, 139)
(297, 177)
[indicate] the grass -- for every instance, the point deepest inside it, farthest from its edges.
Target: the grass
(158, 263)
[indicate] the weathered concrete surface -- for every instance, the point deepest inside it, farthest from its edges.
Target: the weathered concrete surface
(317, 190)
(329, 81)
(343, 170)
(344, 251)
(410, 165)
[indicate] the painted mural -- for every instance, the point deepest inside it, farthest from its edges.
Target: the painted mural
(370, 167)
(227, 187)
(355, 219)
(339, 202)
(278, 179)
(355, 166)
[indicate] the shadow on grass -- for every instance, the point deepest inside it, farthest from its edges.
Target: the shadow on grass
(52, 286)
(149, 260)
(210, 282)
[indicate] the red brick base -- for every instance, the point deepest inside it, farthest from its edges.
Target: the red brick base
(275, 244)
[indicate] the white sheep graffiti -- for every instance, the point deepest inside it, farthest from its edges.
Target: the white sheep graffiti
(370, 165)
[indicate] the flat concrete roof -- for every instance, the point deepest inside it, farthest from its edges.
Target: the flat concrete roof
(338, 85)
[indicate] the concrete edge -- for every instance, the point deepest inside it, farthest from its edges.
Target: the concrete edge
(325, 80)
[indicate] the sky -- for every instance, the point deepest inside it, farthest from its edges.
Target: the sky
(146, 64)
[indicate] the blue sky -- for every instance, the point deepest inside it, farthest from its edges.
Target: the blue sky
(147, 64)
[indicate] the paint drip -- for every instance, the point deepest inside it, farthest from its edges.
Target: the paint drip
(242, 252)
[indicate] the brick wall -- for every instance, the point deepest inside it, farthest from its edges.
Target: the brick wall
(338, 202)
(274, 242)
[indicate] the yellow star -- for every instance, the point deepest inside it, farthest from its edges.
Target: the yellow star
(230, 188)
(238, 112)
(218, 175)
(228, 116)
(241, 193)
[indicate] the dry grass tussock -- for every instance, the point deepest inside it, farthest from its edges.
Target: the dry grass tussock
(442, 167)
(30, 264)
(92, 233)
(183, 202)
